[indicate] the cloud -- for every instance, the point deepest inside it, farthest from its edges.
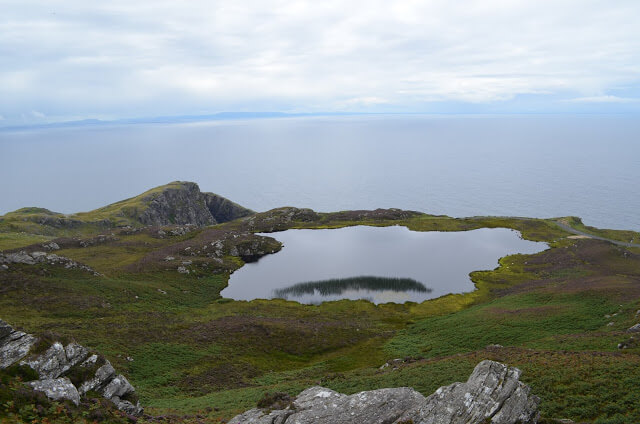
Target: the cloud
(603, 99)
(162, 57)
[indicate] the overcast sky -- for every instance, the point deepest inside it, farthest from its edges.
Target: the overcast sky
(73, 59)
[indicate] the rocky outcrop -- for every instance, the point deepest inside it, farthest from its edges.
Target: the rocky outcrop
(32, 258)
(492, 394)
(66, 372)
(14, 345)
(224, 210)
(183, 203)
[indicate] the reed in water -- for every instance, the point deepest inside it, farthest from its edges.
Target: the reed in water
(337, 286)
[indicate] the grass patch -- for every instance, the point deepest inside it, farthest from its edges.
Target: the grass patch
(10, 241)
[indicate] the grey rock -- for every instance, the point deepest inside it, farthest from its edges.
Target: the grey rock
(33, 258)
(320, 405)
(224, 210)
(21, 257)
(75, 353)
(57, 360)
(119, 386)
(51, 246)
(377, 406)
(634, 329)
(493, 393)
(5, 329)
(183, 203)
(57, 389)
(128, 407)
(90, 361)
(14, 345)
(103, 375)
(258, 416)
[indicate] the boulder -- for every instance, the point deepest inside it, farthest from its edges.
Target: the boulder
(117, 390)
(102, 376)
(118, 387)
(57, 389)
(492, 394)
(14, 345)
(57, 360)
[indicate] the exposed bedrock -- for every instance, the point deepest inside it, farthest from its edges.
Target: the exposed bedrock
(492, 394)
(66, 372)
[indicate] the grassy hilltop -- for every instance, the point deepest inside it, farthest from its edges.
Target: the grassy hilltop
(156, 313)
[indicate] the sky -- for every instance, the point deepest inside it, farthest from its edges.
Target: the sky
(73, 59)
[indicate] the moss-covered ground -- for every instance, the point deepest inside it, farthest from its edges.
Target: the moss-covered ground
(192, 355)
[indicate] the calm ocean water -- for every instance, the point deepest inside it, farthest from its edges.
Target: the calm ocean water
(533, 165)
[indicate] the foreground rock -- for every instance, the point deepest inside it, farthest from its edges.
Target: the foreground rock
(66, 372)
(492, 394)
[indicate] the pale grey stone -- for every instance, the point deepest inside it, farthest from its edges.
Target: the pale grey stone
(14, 346)
(258, 416)
(103, 375)
(57, 389)
(128, 407)
(57, 360)
(320, 405)
(492, 394)
(118, 387)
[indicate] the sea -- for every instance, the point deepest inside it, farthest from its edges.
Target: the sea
(457, 165)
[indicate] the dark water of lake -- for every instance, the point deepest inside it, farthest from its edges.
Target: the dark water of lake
(439, 262)
(534, 165)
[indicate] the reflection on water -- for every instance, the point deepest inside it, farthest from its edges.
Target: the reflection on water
(398, 258)
(366, 287)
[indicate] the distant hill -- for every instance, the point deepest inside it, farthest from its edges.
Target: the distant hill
(179, 202)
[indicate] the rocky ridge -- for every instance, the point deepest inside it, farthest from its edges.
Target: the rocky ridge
(38, 257)
(183, 203)
(66, 372)
(492, 394)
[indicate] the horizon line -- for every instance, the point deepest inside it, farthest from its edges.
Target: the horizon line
(230, 116)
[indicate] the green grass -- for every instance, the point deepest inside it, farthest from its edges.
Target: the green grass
(506, 321)
(15, 240)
